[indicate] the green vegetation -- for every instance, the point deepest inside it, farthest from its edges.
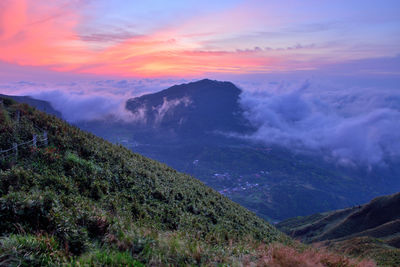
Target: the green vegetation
(377, 249)
(369, 230)
(82, 201)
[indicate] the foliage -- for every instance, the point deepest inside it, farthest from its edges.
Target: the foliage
(382, 253)
(368, 230)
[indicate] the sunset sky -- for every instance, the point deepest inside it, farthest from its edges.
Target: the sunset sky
(158, 38)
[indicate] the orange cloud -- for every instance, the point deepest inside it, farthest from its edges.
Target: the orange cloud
(147, 57)
(38, 34)
(12, 18)
(43, 33)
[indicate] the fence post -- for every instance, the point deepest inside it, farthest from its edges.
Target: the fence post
(18, 115)
(45, 138)
(15, 147)
(34, 140)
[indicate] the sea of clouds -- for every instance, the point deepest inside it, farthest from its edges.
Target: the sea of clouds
(350, 123)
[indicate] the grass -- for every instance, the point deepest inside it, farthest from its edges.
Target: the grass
(354, 231)
(382, 253)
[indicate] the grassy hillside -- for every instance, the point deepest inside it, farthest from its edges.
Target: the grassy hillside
(371, 229)
(82, 201)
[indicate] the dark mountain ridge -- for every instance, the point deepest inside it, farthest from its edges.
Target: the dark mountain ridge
(372, 229)
(362, 220)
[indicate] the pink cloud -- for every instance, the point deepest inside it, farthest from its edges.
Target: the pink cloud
(48, 33)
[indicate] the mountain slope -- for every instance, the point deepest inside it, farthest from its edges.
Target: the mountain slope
(373, 228)
(39, 104)
(380, 218)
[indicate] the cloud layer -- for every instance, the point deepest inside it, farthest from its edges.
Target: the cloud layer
(349, 125)
(90, 100)
(349, 122)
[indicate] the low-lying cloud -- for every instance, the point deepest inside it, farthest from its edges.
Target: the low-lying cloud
(168, 106)
(90, 100)
(349, 125)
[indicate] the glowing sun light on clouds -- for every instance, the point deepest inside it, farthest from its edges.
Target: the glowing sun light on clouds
(44, 33)
(69, 36)
(38, 33)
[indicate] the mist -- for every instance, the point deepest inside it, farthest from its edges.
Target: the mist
(350, 125)
(90, 100)
(167, 106)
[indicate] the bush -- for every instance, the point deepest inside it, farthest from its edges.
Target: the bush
(27, 213)
(107, 258)
(30, 250)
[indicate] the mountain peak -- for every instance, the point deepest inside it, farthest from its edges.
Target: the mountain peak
(204, 86)
(193, 108)
(209, 81)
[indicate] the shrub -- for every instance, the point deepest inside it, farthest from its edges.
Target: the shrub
(30, 250)
(107, 258)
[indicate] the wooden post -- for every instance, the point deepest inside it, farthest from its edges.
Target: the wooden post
(18, 115)
(46, 142)
(15, 147)
(34, 140)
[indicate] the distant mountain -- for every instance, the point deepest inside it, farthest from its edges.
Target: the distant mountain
(370, 229)
(380, 219)
(191, 110)
(39, 104)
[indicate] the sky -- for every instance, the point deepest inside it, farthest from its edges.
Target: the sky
(159, 39)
